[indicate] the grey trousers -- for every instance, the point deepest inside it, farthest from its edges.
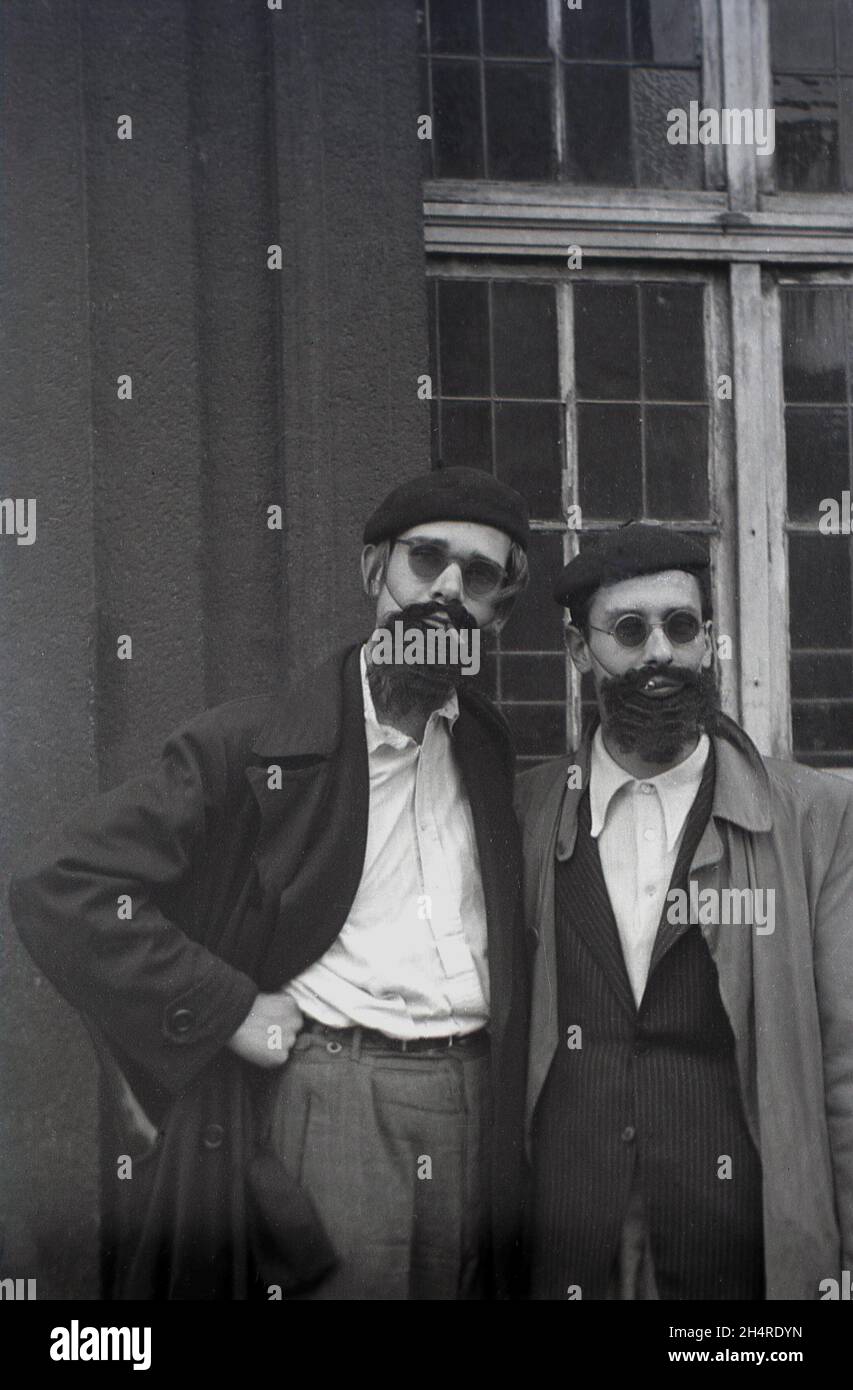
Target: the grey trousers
(393, 1149)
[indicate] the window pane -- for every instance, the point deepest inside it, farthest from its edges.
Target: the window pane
(596, 31)
(673, 342)
(607, 365)
(598, 125)
(845, 36)
(528, 454)
(525, 329)
(610, 461)
(453, 26)
(677, 461)
(518, 106)
(818, 459)
(466, 433)
(801, 35)
(517, 28)
(824, 729)
(654, 92)
(463, 307)
(665, 31)
(536, 623)
(457, 135)
(534, 677)
(828, 675)
(813, 342)
(806, 134)
(819, 569)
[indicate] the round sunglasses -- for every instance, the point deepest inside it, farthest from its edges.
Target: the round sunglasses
(632, 630)
(481, 578)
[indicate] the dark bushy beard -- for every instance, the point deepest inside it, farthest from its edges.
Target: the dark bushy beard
(400, 690)
(658, 729)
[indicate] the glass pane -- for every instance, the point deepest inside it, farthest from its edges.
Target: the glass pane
(598, 114)
(654, 92)
(528, 454)
(518, 107)
(517, 28)
(596, 31)
(813, 343)
(806, 134)
(823, 728)
(801, 36)
(673, 342)
(666, 31)
(524, 319)
(677, 461)
(533, 677)
(609, 460)
(466, 433)
(845, 116)
(539, 730)
(826, 676)
(819, 580)
(536, 623)
(845, 36)
(457, 135)
(453, 26)
(607, 363)
(463, 308)
(423, 107)
(818, 459)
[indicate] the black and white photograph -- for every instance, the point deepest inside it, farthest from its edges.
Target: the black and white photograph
(427, 633)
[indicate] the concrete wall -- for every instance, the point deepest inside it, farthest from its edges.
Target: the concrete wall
(251, 387)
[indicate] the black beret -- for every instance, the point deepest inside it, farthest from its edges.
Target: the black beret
(450, 494)
(635, 549)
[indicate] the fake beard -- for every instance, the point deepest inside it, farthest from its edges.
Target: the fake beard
(654, 728)
(409, 689)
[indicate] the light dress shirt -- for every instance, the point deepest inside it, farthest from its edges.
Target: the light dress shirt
(411, 958)
(639, 825)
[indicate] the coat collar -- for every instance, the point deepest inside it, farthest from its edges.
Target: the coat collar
(304, 717)
(741, 789)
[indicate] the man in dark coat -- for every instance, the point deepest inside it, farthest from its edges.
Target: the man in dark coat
(296, 944)
(690, 1097)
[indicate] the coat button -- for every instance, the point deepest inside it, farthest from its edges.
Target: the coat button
(628, 1134)
(212, 1136)
(182, 1022)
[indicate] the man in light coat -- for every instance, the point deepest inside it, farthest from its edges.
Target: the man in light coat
(690, 1090)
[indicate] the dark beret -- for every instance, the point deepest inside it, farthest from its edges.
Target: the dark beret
(635, 549)
(450, 494)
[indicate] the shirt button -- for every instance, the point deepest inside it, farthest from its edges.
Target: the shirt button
(648, 834)
(212, 1136)
(645, 788)
(628, 1134)
(650, 892)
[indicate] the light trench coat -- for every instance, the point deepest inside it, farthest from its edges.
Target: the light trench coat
(788, 994)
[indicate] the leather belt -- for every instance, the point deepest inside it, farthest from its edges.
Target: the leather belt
(372, 1038)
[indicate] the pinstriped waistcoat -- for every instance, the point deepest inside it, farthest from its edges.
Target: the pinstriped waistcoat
(647, 1096)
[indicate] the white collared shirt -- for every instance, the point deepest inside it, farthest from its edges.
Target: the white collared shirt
(639, 825)
(411, 957)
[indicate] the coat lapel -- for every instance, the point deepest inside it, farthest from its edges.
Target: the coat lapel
(484, 763)
(309, 853)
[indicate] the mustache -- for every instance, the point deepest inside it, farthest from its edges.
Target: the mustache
(416, 614)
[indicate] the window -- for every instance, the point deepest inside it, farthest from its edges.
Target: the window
(692, 363)
(817, 337)
(593, 392)
(533, 90)
(813, 94)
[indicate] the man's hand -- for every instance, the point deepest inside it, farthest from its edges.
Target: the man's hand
(267, 1034)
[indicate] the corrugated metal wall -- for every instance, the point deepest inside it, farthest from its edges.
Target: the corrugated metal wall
(250, 387)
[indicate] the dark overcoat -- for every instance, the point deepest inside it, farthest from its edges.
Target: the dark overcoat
(167, 904)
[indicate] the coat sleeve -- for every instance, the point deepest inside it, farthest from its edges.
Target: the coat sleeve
(833, 948)
(164, 999)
